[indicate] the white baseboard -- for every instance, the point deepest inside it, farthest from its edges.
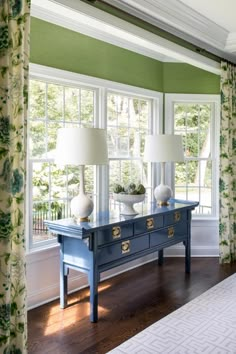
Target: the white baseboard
(196, 251)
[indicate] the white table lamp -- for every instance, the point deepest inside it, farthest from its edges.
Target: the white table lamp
(163, 148)
(81, 146)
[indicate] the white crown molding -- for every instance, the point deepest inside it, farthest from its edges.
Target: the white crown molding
(180, 20)
(78, 16)
(231, 43)
(175, 13)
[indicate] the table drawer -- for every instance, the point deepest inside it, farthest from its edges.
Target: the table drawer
(115, 232)
(148, 224)
(171, 233)
(122, 249)
(175, 217)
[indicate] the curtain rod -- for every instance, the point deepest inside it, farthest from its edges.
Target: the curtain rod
(113, 10)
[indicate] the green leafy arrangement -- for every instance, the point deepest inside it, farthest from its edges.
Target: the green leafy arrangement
(131, 189)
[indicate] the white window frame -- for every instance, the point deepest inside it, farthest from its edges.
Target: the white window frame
(170, 100)
(62, 77)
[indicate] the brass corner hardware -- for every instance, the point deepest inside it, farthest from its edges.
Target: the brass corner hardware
(125, 247)
(171, 232)
(116, 232)
(150, 223)
(177, 216)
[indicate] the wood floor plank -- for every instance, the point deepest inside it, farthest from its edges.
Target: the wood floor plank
(128, 303)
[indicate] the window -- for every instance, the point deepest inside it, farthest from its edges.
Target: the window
(62, 99)
(128, 121)
(195, 118)
(52, 106)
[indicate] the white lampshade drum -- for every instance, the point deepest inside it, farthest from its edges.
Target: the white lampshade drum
(163, 148)
(81, 146)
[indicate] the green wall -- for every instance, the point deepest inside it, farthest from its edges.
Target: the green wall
(58, 47)
(185, 78)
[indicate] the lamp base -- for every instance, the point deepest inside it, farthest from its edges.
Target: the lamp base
(161, 203)
(84, 219)
(162, 193)
(81, 207)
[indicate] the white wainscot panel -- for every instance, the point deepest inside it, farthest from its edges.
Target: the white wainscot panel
(204, 243)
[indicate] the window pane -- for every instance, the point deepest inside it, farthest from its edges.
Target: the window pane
(41, 213)
(55, 102)
(72, 104)
(192, 176)
(192, 117)
(193, 179)
(204, 143)
(180, 117)
(125, 172)
(87, 108)
(37, 139)
(37, 100)
(40, 179)
(180, 193)
(123, 110)
(111, 110)
(191, 147)
(180, 174)
(205, 116)
(52, 137)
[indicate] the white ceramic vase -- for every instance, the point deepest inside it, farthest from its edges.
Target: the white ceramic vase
(81, 207)
(162, 193)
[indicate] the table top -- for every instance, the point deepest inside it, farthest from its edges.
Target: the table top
(108, 218)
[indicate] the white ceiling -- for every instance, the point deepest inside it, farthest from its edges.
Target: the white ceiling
(222, 12)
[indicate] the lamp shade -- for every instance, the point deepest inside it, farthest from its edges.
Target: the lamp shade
(81, 146)
(163, 148)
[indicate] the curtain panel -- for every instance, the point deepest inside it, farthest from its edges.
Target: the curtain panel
(14, 63)
(227, 183)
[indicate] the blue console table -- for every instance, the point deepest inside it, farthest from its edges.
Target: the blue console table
(108, 241)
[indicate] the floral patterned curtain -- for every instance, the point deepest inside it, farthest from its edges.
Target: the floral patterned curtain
(227, 225)
(14, 59)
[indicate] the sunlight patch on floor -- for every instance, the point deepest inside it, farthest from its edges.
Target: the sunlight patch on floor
(59, 319)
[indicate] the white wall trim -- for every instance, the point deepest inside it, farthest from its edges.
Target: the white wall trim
(230, 45)
(180, 20)
(174, 13)
(88, 20)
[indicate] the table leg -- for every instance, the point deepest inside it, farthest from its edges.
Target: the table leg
(187, 255)
(160, 257)
(63, 285)
(93, 283)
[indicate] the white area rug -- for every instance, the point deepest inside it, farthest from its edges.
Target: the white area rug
(206, 324)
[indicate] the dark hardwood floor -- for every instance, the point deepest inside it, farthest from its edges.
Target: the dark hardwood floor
(128, 303)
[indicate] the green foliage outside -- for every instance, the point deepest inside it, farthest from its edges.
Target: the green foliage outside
(192, 121)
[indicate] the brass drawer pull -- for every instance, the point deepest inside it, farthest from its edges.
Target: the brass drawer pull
(125, 247)
(150, 223)
(177, 216)
(116, 232)
(171, 232)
